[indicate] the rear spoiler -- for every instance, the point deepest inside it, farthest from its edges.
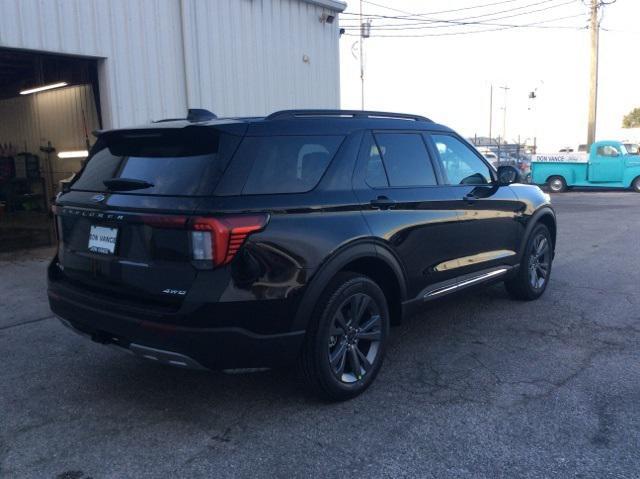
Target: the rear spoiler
(188, 129)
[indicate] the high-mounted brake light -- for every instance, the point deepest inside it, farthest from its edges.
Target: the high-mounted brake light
(219, 239)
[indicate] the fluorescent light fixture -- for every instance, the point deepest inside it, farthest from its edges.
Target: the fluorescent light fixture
(73, 154)
(43, 88)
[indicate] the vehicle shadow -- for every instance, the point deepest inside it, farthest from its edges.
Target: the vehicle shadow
(444, 333)
(577, 189)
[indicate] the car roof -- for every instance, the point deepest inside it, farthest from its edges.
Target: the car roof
(292, 122)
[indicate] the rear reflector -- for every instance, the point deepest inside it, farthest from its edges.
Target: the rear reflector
(219, 239)
(202, 245)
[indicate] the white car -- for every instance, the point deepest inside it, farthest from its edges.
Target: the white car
(492, 157)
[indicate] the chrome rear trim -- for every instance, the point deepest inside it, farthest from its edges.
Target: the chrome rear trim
(165, 357)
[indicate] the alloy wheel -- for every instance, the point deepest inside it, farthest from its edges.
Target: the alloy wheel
(539, 261)
(354, 338)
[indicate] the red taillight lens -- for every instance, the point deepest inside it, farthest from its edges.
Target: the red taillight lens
(219, 239)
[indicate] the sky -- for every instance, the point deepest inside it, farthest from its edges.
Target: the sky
(448, 77)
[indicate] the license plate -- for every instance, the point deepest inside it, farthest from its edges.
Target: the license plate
(102, 239)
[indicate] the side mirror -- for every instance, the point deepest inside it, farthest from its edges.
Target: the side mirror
(508, 174)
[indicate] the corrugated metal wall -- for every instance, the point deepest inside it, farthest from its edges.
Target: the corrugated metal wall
(19, 123)
(142, 76)
(56, 116)
(251, 57)
(239, 57)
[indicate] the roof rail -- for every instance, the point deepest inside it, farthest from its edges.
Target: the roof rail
(289, 114)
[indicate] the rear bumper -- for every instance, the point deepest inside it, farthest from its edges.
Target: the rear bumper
(170, 342)
(164, 357)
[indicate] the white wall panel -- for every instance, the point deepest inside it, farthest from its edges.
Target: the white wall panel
(245, 57)
(142, 74)
(235, 57)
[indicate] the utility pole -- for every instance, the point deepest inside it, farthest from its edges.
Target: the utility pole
(504, 113)
(594, 26)
(490, 112)
(365, 32)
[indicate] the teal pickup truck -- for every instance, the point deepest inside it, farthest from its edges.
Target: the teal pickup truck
(608, 165)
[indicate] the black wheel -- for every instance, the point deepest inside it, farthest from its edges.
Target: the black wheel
(557, 184)
(535, 267)
(635, 185)
(346, 338)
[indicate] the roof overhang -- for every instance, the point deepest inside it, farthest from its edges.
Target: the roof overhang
(334, 5)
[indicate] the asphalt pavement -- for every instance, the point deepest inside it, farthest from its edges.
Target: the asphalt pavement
(476, 386)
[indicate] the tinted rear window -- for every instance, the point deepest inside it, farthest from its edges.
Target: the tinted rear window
(174, 164)
(406, 159)
(284, 164)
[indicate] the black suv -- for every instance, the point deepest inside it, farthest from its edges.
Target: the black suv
(294, 239)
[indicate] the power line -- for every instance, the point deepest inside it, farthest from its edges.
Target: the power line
(440, 11)
(503, 27)
(509, 25)
(421, 17)
(426, 24)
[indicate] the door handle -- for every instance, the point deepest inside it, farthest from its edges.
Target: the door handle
(383, 203)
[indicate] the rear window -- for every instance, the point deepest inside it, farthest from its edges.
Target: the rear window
(175, 164)
(405, 159)
(284, 164)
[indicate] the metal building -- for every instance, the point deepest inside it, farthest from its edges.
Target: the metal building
(157, 58)
(126, 62)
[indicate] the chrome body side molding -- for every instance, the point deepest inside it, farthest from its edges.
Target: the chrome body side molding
(464, 282)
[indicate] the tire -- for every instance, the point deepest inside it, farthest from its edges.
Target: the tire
(635, 185)
(333, 333)
(557, 184)
(536, 260)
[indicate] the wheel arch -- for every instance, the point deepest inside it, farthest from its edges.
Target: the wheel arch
(546, 216)
(364, 257)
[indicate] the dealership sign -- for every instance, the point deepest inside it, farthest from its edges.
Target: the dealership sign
(561, 158)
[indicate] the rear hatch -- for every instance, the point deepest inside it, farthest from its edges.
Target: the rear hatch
(124, 225)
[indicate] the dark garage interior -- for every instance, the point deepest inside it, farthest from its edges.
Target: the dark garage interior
(44, 135)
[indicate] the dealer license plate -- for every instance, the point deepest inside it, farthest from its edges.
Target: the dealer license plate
(102, 239)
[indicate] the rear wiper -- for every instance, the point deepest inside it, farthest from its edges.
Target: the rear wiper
(126, 184)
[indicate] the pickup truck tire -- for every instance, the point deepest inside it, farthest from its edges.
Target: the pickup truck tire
(635, 185)
(535, 266)
(557, 184)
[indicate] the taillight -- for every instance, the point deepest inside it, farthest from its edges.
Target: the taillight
(219, 239)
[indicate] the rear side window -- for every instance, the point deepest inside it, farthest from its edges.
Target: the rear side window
(376, 177)
(285, 164)
(405, 159)
(175, 164)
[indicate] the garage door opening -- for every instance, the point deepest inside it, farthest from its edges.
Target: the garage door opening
(48, 108)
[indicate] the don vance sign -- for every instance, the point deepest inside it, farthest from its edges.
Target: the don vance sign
(561, 158)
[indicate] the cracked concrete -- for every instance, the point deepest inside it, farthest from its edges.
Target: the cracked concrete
(475, 386)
